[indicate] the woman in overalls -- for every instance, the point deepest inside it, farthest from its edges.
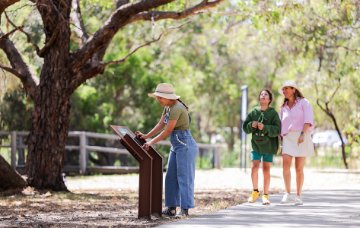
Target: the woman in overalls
(175, 121)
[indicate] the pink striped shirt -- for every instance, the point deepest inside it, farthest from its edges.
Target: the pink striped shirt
(293, 119)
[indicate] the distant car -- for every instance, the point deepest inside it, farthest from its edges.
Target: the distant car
(328, 138)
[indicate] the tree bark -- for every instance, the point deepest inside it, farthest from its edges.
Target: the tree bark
(9, 178)
(47, 139)
(50, 118)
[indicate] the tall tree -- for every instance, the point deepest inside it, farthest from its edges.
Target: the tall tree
(63, 71)
(329, 34)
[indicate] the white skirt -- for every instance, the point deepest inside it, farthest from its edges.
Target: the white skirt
(291, 147)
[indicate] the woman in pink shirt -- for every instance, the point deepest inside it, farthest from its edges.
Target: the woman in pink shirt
(297, 119)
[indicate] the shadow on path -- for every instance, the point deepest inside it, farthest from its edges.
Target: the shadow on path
(322, 208)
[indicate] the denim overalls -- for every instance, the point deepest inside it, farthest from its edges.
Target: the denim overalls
(180, 175)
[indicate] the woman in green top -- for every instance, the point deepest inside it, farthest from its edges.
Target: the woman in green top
(175, 121)
(264, 124)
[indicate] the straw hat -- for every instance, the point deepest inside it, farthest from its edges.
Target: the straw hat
(288, 84)
(164, 90)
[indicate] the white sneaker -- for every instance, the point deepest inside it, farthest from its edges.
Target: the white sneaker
(287, 198)
(298, 201)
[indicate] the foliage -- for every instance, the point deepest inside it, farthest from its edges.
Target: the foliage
(14, 111)
(254, 43)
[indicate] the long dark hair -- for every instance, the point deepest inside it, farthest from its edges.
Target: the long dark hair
(297, 95)
(268, 92)
(187, 108)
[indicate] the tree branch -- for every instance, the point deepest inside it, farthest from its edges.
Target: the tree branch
(89, 70)
(96, 45)
(102, 38)
(320, 106)
(143, 45)
(5, 36)
(28, 37)
(49, 42)
(10, 70)
(335, 91)
(133, 51)
(18, 66)
(80, 29)
(355, 51)
(160, 15)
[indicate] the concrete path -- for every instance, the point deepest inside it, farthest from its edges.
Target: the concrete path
(322, 208)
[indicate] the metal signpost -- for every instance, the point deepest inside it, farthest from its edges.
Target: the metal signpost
(244, 111)
(151, 172)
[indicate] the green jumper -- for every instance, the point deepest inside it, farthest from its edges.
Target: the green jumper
(264, 141)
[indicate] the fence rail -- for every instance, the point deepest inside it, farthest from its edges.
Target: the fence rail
(82, 147)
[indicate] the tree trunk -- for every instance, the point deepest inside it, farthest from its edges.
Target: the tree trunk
(47, 141)
(50, 117)
(9, 178)
(328, 112)
(231, 140)
(343, 154)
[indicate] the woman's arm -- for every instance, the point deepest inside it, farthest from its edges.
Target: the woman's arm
(165, 133)
(158, 127)
(308, 119)
(305, 129)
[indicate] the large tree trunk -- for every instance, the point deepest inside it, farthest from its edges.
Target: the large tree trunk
(47, 141)
(9, 178)
(50, 120)
(49, 132)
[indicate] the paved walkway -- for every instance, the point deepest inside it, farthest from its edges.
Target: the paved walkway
(331, 198)
(322, 208)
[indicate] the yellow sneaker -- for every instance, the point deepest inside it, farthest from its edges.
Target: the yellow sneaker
(254, 196)
(265, 200)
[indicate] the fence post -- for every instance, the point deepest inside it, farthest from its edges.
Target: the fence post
(216, 157)
(13, 149)
(20, 153)
(83, 155)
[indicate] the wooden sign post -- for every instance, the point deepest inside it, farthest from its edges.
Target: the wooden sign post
(150, 174)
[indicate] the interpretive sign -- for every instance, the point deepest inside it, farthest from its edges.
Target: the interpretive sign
(150, 173)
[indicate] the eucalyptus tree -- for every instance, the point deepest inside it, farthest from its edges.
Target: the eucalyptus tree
(326, 34)
(240, 46)
(65, 68)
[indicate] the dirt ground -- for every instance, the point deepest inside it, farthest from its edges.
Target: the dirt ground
(104, 208)
(112, 200)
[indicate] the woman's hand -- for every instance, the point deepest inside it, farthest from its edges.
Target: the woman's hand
(147, 145)
(141, 135)
(301, 138)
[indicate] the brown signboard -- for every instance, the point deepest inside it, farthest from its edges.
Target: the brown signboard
(151, 172)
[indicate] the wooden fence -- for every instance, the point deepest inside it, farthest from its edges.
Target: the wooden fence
(82, 144)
